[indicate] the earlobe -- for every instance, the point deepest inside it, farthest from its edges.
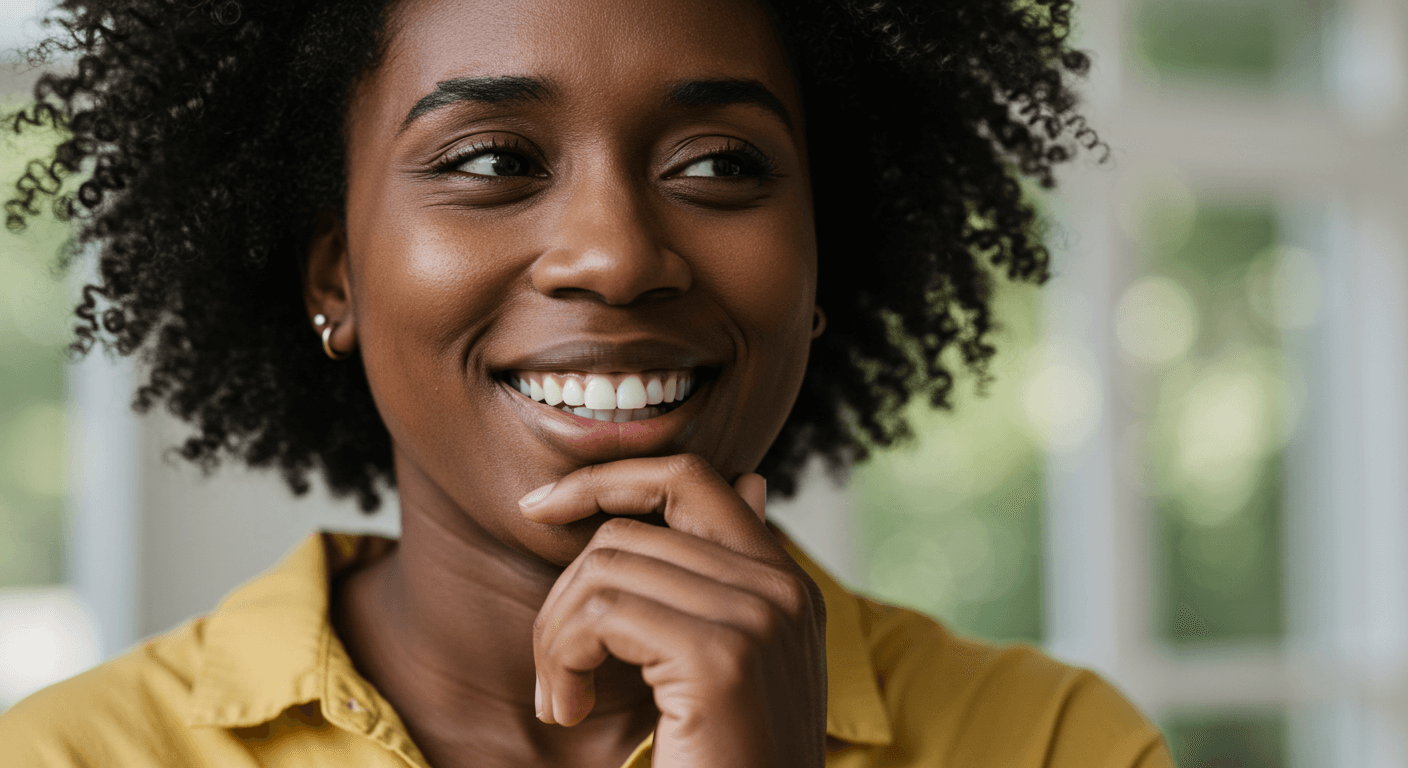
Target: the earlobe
(326, 328)
(327, 291)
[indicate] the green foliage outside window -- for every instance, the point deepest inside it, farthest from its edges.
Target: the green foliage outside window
(33, 332)
(951, 525)
(1228, 740)
(1210, 37)
(1244, 43)
(1219, 405)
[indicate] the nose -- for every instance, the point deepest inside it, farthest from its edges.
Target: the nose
(608, 247)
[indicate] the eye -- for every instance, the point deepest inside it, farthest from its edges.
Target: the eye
(716, 165)
(496, 163)
(730, 159)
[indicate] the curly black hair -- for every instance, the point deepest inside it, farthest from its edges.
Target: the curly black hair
(208, 134)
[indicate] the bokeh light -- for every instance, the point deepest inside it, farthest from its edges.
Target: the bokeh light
(1156, 320)
(46, 634)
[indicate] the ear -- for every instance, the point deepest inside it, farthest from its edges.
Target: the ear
(327, 290)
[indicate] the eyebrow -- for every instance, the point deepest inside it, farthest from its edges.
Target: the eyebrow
(517, 89)
(507, 89)
(727, 91)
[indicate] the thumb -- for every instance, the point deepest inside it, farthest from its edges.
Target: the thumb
(754, 490)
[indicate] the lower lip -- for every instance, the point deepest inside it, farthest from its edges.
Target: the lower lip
(592, 442)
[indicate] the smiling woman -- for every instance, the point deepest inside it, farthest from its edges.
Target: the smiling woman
(557, 271)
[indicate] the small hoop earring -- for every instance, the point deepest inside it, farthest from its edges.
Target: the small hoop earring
(321, 321)
(818, 322)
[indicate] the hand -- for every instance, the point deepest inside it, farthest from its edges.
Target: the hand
(728, 631)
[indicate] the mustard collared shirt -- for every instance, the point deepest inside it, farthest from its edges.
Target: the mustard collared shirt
(264, 681)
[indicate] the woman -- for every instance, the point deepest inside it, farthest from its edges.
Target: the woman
(564, 267)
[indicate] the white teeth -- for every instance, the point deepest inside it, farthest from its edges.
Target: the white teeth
(630, 393)
(573, 394)
(615, 415)
(594, 397)
(552, 390)
(599, 394)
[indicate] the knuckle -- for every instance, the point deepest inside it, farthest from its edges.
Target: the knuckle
(598, 560)
(762, 617)
(688, 465)
(795, 595)
(615, 529)
(730, 656)
(797, 605)
(601, 602)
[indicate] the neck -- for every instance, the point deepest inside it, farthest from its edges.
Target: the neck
(444, 628)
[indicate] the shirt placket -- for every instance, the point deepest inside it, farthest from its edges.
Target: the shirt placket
(350, 703)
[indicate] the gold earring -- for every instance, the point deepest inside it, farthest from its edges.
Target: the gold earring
(321, 321)
(818, 322)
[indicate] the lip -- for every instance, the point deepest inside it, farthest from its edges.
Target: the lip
(588, 441)
(635, 355)
(584, 441)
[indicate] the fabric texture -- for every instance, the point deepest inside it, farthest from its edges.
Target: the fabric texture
(264, 681)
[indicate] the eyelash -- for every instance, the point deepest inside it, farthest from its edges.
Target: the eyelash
(755, 163)
(446, 164)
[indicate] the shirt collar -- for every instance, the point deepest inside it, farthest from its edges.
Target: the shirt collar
(270, 646)
(855, 711)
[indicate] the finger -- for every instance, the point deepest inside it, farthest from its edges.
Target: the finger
(692, 497)
(663, 582)
(636, 630)
(782, 586)
(619, 572)
(753, 489)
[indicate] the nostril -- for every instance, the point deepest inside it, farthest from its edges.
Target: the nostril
(623, 272)
(646, 297)
(658, 294)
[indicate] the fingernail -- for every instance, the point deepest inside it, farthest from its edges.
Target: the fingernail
(536, 496)
(538, 696)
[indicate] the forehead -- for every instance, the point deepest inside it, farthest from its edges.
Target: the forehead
(580, 45)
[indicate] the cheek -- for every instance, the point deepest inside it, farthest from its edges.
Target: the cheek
(761, 271)
(765, 275)
(422, 289)
(421, 280)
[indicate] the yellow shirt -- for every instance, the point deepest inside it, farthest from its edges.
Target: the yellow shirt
(264, 681)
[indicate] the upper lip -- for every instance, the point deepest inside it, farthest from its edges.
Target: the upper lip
(612, 356)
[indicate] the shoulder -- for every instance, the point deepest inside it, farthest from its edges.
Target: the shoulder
(972, 703)
(128, 711)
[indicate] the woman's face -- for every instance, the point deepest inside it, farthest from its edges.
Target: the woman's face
(586, 194)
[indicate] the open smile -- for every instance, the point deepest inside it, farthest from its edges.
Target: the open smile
(613, 397)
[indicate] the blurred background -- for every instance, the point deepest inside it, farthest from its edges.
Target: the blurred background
(1190, 474)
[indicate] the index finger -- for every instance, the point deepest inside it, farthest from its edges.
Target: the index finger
(691, 495)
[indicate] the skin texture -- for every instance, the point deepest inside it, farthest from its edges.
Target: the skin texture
(609, 254)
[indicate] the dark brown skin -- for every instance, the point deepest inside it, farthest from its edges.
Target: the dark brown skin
(600, 247)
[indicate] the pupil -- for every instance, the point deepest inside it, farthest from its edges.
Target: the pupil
(727, 166)
(507, 165)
